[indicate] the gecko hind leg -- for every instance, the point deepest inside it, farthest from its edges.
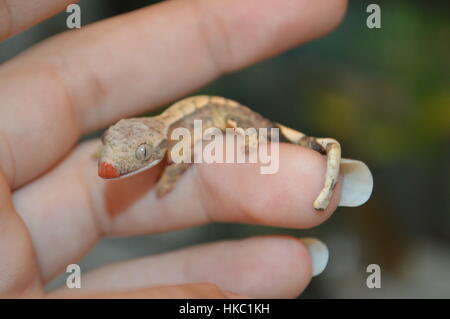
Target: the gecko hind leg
(325, 146)
(333, 151)
(169, 177)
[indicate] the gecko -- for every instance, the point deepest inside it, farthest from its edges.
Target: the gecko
(136, 144)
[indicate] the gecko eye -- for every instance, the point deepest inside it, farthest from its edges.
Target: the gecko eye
(143, 152)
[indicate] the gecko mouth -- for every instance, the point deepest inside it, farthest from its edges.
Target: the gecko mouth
(107, 171)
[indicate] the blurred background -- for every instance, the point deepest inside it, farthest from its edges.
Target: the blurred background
(385, 95)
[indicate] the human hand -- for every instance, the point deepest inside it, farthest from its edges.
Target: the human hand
(53, 206)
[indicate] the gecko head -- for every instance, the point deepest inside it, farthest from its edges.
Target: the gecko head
(131, 146)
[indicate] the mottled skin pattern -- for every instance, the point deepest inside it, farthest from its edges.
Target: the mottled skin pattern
(136, 144)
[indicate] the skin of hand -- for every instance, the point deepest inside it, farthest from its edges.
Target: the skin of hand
(53, 206)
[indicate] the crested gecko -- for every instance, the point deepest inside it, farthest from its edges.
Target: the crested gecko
(136, 144)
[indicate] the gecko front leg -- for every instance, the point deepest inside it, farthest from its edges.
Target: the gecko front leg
(169, 177)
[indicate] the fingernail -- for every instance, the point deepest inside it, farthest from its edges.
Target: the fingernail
(318, 252)
(357, 183)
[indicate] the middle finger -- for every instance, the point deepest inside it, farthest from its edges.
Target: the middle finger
(70, 208)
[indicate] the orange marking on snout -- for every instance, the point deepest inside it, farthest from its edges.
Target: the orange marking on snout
(106, 170)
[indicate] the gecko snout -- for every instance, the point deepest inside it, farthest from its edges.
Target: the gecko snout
(106, 170)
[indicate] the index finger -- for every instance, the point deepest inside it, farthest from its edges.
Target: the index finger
(80, 81)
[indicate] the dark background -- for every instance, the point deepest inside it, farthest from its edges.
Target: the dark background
(385, 95)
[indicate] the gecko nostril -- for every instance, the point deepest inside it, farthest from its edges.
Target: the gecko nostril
(106, 170)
